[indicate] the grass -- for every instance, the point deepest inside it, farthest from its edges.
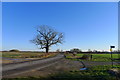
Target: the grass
(92, 73)
(102, 55)
(19, 54)
(12, 57)
(25, 54)
(95, 57)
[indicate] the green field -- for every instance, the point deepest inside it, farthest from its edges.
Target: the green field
(96, 57)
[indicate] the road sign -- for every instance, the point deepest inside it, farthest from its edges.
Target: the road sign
(110, 49)
(112, 46)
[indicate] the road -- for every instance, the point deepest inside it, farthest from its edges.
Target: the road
(19, 68)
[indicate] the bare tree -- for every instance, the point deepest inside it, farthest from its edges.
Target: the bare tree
(46, 37)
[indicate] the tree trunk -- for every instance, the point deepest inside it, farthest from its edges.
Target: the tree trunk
(47, 49)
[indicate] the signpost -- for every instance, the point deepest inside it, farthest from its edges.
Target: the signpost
(111, 54)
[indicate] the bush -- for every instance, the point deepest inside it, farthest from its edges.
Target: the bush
(86, 57)
(14, 50)
(75, 50)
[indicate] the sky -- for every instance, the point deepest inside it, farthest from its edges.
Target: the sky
(86, 25)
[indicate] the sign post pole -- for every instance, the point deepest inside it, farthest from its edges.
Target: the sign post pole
(111, 54)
